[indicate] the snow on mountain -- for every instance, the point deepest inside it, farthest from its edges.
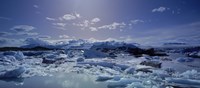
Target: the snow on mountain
(34, 42)
(75, 44)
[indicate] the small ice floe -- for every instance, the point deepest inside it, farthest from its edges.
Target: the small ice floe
(143, 68)
(123, 82)
(104, 78)
(184, 59)
(107, 77)
(52, 58)
(8, 59)
(19, 55)
(48, 60)
(80, 59)
(135, 85)
(129, 70)
(16, 73)
(194, 54)
(183, 83)
(190, 74)
(155, 64)
(160, 74)
(165, 59)
(170, 70)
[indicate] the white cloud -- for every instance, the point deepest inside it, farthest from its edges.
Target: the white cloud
(64, 36)
(93, 29)
(68, 17)
(137, 21)
(104, 40)
(113, 26)
(35, 6)
(7, 42)
(3, 34)
(83, 25)
(44, 37)
(22, 28)
(87, 25)
(36, 41)
(160, 9)
(50, 19)
(60, 24)
(5, 18)
(27, 33)
(95, 20)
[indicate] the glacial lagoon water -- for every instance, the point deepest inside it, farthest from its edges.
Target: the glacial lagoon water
(59, 80)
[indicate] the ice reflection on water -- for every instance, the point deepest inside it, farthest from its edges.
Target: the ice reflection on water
(61, 80)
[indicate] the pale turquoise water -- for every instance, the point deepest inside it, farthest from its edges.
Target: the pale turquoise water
(64, 80)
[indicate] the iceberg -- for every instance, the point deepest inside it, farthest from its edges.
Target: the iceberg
(19, 55)
(186, 83)
(130, 70)
(16, 73)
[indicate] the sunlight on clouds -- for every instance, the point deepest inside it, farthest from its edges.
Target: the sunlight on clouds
(68, 17)
(64, 36)
(160, 9)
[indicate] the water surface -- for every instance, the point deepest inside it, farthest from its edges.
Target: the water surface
(61, 80)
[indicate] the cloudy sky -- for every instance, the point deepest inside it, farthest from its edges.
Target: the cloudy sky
(142, 21)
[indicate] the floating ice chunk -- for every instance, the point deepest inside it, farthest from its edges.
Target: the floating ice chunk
(16, 73)
(121, 83)
(180, 82)
(130, 70)
(160, 73)
(184, 59)
(19, 55)
(190, 74)
(170, 70)
(107, 77)
(80, 60)
(62, 56)
(122, 66)
(48, 60)
(155, 64)
(8, 58)
(104, 78)
(51, 58)
(135, 85)
(14, 55)
(117, 78)
(156, 57)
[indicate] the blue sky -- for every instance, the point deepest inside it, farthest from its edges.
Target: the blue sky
(142, 21)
